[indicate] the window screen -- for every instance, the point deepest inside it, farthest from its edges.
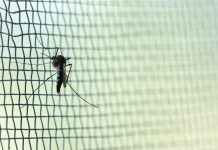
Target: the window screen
(150, 66)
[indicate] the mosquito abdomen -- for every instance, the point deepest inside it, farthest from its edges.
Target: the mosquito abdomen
(60, 75)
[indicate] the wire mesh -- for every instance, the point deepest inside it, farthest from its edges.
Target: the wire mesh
(150, 66)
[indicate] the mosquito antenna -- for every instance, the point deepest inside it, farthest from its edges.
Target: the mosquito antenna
(81, 96)
(37, 89)
(68, 58)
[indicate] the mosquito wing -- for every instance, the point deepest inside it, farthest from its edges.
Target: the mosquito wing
(64, 76)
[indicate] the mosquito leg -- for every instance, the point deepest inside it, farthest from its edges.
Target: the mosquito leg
(47, 48)
(69, 71)
(38, 88)
(57, 49)
(46, 55)
(74, 90)
(1, 136)
(81, 96)
(11, 12)
(31, 64)
(42, 43)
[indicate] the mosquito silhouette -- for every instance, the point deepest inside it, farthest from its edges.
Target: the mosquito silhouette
(59, 63)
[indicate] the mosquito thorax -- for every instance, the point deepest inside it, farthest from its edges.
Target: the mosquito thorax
(58, 61)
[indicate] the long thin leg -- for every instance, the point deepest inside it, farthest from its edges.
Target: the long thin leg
(30, 64)
(74, 90)
(57, 49)
(81, 96)
(47, 48)
(69, 71)
(11, 12)
(1, 136)
(46, 55)
(37, 89)
(40, 42)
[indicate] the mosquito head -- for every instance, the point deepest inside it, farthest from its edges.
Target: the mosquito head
(58, 61)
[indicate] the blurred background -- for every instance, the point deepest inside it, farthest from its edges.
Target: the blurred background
(150, 66)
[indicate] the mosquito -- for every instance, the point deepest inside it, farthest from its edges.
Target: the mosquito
(59, 62)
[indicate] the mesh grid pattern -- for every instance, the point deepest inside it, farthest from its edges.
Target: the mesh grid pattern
(150, 66)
